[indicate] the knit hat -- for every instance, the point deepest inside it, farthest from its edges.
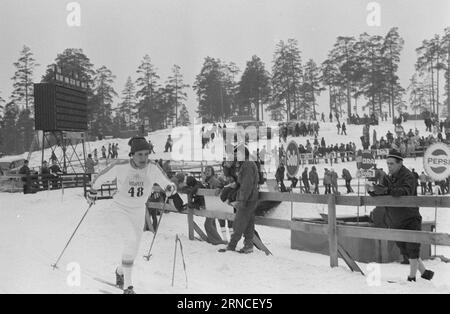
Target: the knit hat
(137, 144)
(395, 154)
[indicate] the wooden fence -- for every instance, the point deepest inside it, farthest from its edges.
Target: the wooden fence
(333, 228)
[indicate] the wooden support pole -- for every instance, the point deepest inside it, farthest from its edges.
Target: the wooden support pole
(332, 231)
(190, 218)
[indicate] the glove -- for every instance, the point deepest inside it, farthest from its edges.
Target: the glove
(91, 196)
(170, 189)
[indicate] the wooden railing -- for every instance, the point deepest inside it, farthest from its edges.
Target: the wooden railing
(333, 228)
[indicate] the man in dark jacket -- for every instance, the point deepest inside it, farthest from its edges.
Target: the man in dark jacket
(348, 180)
(314, 179)
(26, 177)
(45, 174)
(246, 201)
(401, 182)
(279, 176)
(305, 180)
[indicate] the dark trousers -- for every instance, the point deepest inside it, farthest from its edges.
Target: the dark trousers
(327, 188)
(348, 186)
(423, 187)
(306, 185)
(244, 224)
(316, 189)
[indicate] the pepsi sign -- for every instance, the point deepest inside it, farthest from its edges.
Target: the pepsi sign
(292, 159)
(436, 161)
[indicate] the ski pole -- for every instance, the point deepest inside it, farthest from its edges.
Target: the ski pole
(178, 240)
(55, 265)
(174, 259)
(147, 257)
(184, 263)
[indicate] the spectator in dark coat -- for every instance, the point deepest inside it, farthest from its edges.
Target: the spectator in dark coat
(401, 182)
(334, 183)
(90, 166)
(305, 180)
(26, 177)
(246, 202)
(45, 174)
(314, 179)
(279, 176)
(327, 181)
(348, 180)
(56, 172)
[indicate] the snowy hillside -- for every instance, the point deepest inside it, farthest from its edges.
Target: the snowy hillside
(35, 228)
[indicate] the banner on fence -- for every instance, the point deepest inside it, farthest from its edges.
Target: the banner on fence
(366, 173)
(436, 161)
(292, 159)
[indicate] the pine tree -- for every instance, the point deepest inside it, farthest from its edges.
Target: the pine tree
(2, 107)
(392, 47)
(176, 89)
(104, 94)
(429, 61)
(216, 89)
(147, 84)
(184, 117)
(73, 61)
(127, 108)
(254, 87)
(22, 93)
(287, 80)
(445, 52)
(344, 56)
(9, 128)
(312, 84)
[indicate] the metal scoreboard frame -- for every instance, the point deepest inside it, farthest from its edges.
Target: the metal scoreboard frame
(60, 108)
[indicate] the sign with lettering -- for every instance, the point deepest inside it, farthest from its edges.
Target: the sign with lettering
(436, 161)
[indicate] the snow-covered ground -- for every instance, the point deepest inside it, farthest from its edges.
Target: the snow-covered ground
(35, 228)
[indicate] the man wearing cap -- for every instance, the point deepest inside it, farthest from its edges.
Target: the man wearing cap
(401, 182)
(246, 201)
(135, 179)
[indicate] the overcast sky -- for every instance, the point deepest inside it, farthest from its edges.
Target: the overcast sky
(118, 33)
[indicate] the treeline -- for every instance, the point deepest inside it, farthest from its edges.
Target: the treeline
(147, 101)
(359, 73)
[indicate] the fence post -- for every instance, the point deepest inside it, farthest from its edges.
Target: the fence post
(190, 218)
(332, 231)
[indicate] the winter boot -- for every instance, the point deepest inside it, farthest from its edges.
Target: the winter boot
(119, 280)
(129, 290)
(246, 250)
(428, 275)
(228, 248)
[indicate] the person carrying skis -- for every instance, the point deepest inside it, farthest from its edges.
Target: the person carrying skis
(135, 179)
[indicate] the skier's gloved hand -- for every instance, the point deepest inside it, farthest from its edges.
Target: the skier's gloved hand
(170, 189)
(91, 196)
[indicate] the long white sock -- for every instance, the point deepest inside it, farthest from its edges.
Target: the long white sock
(127, 269)
(224, 233)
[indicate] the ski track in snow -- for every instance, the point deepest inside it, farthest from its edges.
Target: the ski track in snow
(35, 228)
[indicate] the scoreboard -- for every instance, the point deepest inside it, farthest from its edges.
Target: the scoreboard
(59, 107)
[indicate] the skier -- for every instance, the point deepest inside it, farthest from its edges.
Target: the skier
(135, 179)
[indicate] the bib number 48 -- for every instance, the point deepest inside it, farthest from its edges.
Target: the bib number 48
(136, 192)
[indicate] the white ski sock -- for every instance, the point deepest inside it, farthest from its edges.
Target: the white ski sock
(224, 233)
(127, 269)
